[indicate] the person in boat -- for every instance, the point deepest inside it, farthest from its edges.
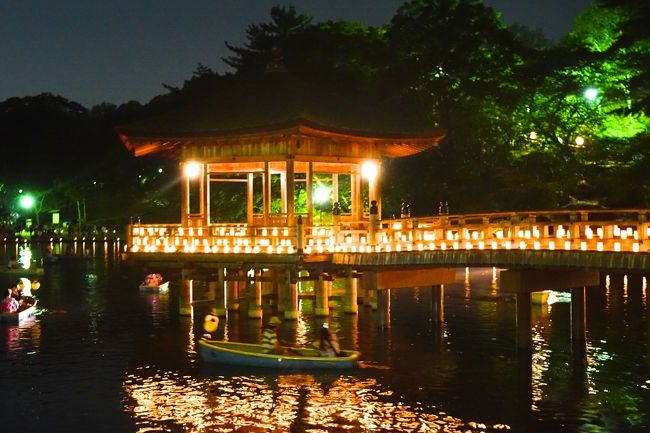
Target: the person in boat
(24, 288)
(9, 304)
(153, 280)
(329, 344)
(270, 341)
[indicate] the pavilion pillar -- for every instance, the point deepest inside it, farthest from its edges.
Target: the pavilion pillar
(356, 192)
(185, 198)
(283, 192)
(321, 307)
(249, 199)
(255, 297)
(335, 187)
(378, 189)
(372, 189)
(290, 191)
(266, 193)
(308, 187)
(205, 197)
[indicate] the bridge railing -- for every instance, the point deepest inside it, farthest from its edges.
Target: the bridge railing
(585, 230)
(216, 238)
(593, 230)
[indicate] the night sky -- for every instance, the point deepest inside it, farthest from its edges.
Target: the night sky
(119, 50)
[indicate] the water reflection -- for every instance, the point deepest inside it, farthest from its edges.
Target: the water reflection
(286, 402)
(22, 338)
(541, 353)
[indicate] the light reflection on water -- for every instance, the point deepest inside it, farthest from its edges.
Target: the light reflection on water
(103, 342)
(291, 402)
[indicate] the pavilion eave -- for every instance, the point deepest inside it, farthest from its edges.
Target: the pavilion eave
(380, 145)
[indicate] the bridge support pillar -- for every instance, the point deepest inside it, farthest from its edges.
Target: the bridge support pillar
(255, 297)
(383, 301)
(321, 303)
(291, 300)
(283, 296)
(524, 323)
(185, 303)
(350, 305)
(232, 292)
(437, 303)
(578, 318)
(217, 294)
(369, 282)
(328, 286)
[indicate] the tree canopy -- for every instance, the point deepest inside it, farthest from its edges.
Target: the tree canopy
(530, 123)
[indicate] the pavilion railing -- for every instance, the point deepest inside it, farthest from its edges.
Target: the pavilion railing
(583, 230)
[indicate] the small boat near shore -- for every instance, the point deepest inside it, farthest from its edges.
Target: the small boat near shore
(18, 316)
(252, 355)
(162, 287)
(154, 283)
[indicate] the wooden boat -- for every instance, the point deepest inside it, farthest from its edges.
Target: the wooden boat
(252, 355)
(19, 316)
(162, 287)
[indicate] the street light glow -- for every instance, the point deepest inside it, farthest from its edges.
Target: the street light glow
(27, 201)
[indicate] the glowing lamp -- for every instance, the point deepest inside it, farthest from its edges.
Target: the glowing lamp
(321, 194)
(369, 170)
(192, 170)
(27, 201)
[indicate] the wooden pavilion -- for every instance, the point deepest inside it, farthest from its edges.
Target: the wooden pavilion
(277, 128)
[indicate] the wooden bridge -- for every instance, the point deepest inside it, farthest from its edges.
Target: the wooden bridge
(593, 239)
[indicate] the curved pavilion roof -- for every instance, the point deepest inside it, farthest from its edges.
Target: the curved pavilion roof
(275, 115)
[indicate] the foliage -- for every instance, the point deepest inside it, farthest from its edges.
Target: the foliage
(520, 132)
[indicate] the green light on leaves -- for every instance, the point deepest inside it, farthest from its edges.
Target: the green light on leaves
(591, 94)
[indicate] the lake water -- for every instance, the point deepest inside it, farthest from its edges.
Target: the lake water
(103, 357)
